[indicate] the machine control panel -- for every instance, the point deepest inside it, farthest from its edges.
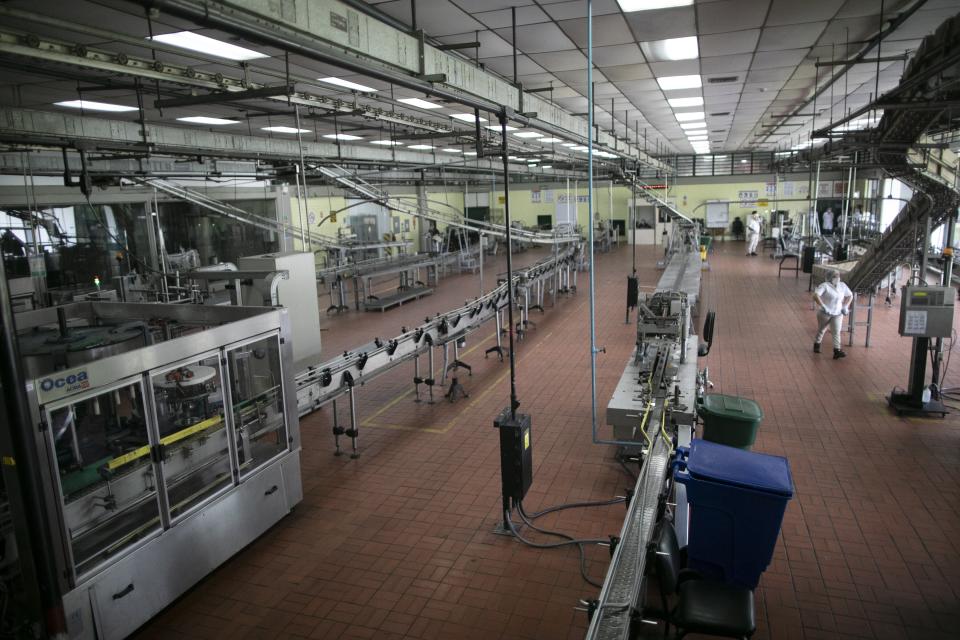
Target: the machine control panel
(927, 312)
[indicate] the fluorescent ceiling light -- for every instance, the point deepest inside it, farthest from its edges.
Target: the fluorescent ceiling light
(528, 134)
(671, 83)
(391, 143)
(496, 127)
(452, 150)
(671, 49)
(420, 147)
(207, 120)
(689, 115)
(342, 136)
(578, 148)
(417, 102)
(285, 129)
(698, 132)
(467, 117)
(569, 144)
(646, 5)
(679, 103)
(548, 166)
(549, 140)
(203, 44)
(346, 84)
(89, 105)
(693, 125)
(469, 153)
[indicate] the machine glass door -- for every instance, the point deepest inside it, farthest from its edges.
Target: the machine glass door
(256, 385)
(195, 448)
(107, 480)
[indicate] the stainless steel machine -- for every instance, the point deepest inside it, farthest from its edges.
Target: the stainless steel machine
(164, 458)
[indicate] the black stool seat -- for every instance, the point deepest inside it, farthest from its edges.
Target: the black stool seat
(715, 608)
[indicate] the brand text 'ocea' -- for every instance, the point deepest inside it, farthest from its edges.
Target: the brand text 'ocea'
(71, 382)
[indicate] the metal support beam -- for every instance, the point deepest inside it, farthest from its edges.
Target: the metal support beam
(221, 97)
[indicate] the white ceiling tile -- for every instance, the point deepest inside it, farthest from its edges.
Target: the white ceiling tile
(793, 12)
(791, 37)
(722, 89)
(662, 23)
(578, 9)
(773, 59)
(676, 68)
(618, 55)
(538, 38)
(489, 5)
(725, 64)
(502, 18)
(731, 15)
(627, 71)
(725, 44)
(577, 77)
(633, 86)
(779, 76)
(607, 30)
(504, 65)
(441, 18)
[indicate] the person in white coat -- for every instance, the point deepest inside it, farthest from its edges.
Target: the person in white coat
(828, 222)
(833, 299)
(753, 233)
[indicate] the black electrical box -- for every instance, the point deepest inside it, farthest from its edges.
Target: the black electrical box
(516, 454)
(633, 292)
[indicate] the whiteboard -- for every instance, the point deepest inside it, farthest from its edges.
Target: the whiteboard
(718, 215)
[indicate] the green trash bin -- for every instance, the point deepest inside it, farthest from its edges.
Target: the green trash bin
(706, 241)
(730, 420)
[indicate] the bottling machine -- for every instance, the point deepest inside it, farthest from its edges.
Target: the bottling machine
(169, 440)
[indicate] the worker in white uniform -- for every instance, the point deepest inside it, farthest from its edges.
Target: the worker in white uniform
(828, 222)
(753, 233)
(833, 299)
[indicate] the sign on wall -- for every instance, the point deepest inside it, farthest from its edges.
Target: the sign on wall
(748, 198)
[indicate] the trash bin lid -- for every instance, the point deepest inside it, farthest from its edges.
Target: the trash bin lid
(733, 407)
(749, 469)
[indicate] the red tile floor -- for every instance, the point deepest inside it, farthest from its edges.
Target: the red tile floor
(399, 544)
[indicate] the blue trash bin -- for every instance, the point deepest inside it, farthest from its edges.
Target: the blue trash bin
(737, 499)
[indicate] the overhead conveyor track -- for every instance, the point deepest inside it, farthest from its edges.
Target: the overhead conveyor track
(447, 216)
(930, 79)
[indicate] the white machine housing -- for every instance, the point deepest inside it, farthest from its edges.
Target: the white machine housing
(298, 293)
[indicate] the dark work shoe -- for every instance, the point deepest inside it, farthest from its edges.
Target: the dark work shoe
(839, 353)
(816, 347)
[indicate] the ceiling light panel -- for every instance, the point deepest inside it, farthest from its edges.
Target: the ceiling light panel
(346, 84)
(420, 103)
(467, 117)
(285, 130)
(420, 147)
(693, 125)
(687, 116)
(342, 136)
(671, 49)
(549, 140)
(496, 127)
(675, 83)
(207, 120)
(679, 103)
(90, 105)
(209, 46)
(528, 134)
(647, 5)
(389, 143)
(452, 150)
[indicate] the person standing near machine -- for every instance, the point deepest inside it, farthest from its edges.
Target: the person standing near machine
(753, 233)
(828, 222)
(833, 299)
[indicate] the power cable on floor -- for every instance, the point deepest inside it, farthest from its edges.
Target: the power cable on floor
(568, 541)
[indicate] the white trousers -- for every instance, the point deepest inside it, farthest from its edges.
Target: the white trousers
(753, 238)
(834, 323)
